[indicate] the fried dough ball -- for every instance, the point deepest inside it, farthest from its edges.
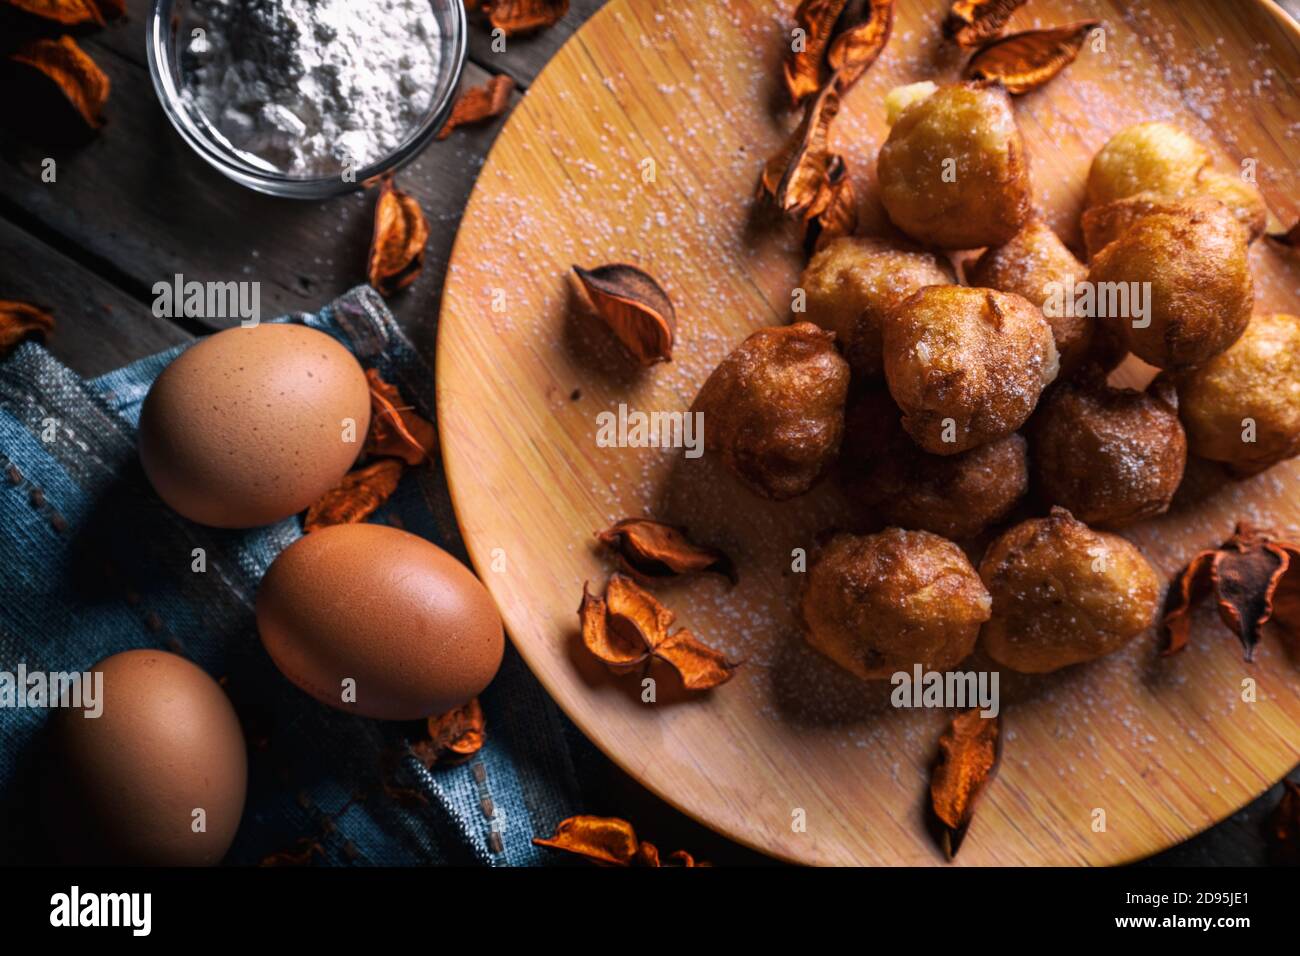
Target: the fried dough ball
(966, 366)
(956, 496)
(882, 603)
(1103, 224)
(1064, 594)
(1111, 456)
(1161, 159)
(774, 409)
(1201, 290)
(954, 172)
(854, 281)
(1037, 266)
(1252, 390)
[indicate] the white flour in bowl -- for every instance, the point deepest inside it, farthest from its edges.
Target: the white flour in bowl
(307, 86)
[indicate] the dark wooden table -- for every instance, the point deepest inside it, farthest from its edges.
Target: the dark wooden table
(135, 206)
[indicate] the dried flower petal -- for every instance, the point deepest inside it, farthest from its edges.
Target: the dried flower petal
(657, 550)
(400, 235)
(629, 626)
(618, 647)
(972, 22)
(21, 320)
(700, 667)
(857, 47)
(479, 103)
(840, 215)
(83, 84)
(1026, 61)
(969, 752)
(611, 841)
(357, 497)
(601, 839)
(803, 63)
(1247, 574)
(796, 177)
(513, 17)
(72, 13)
(635, 307)
(300, 854)
(453, 737)
(1284, 827)
(397, 430)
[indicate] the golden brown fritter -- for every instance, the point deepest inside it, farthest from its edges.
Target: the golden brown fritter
(954, 172)
(966, 366)
(774, 409)
(1037, 266)
(1163, 160)
(896, 483)
(1064, 594)
(854, 281)
(1243, 407)
(1200, 287)
(1111, 456)
(882, 603)
(1104, 224)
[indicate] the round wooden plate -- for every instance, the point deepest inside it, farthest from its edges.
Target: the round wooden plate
(641, 142)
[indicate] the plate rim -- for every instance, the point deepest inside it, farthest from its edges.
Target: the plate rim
(1285, 22)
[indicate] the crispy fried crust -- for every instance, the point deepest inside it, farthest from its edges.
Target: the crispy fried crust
(1253, 385)
(881, 603)
(1111, 456)
(966, 366)
(1201, 290)
(774, 409)
(1036, 265)
(854, 282)
(1064, 594)
(954, 172)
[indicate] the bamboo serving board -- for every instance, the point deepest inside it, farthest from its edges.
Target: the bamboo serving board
(641, 142)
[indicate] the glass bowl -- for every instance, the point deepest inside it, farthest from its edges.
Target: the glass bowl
(170, 23)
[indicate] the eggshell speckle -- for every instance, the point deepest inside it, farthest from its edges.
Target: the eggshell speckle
(124, 786)
(252, 425)
(400, 617)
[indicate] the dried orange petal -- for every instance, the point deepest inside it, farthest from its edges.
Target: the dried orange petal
(71, 13)
(972, 22)
(82, 83)
(657, 550)
(601, 839)
(796, 177)
(700, 667)
(840, 215)
(1026, 61)
(21, 320)
(611, 841)
(396, 429)
(635, 307)
(453, 736)
(513, 17)
(969, 751)
(358, 496)
(619, 647)
(857, 47)
(803, 63)
(400, 235)
(479, 103)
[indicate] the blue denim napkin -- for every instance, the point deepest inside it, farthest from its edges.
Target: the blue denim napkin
(92, 563)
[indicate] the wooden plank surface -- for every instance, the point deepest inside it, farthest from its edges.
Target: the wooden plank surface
(1166, 748)
(135, 206)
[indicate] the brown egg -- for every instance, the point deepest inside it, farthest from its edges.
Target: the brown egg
(379, 622)
(127, 786)
(253, 425)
